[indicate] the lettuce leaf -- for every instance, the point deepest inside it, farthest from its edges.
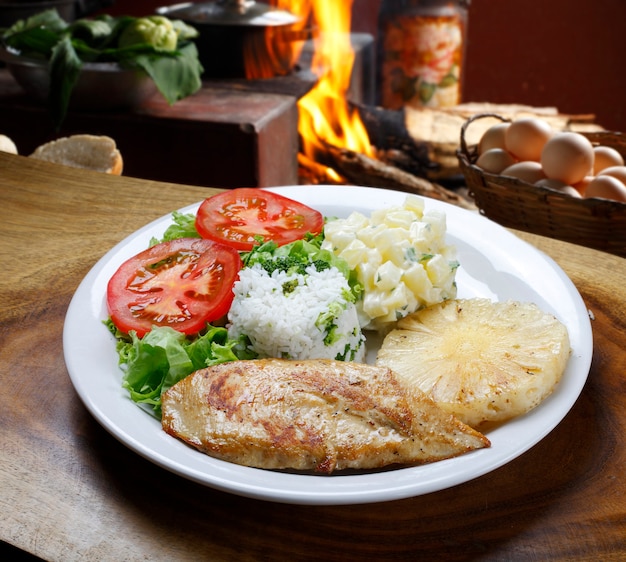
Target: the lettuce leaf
(163, 357)
(183, 226)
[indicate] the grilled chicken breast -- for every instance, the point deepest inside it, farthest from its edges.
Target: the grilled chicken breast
(320, 415)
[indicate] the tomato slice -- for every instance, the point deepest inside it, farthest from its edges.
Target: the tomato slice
(239, 216)
(183, 284)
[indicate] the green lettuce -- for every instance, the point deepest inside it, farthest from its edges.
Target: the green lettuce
(164, 356)
(183, 226)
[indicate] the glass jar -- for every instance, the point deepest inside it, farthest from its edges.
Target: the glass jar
(421, 52)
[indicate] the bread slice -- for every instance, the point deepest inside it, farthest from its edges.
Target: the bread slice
(7, 145)
(93, 152)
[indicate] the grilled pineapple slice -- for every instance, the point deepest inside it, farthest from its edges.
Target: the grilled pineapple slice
(479, 360)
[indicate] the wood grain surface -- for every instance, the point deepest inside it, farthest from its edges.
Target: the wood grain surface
(70, 491)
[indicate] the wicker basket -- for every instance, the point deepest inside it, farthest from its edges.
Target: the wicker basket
(595, 223)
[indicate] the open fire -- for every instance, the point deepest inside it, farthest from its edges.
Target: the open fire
(335, 144)
(325, 118)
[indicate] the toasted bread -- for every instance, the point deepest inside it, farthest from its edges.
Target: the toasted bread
(93, 152)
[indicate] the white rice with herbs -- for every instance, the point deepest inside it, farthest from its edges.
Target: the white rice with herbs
(289, 315)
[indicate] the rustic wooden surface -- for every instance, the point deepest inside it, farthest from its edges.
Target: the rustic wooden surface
(69, 490)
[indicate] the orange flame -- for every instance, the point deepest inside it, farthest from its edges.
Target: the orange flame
(324, 112)
(325, 116)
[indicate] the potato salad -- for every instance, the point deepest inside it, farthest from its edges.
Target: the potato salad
(401, 258)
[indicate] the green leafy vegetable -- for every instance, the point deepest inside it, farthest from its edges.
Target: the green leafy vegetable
(163, 357)
(37, 35)
(64, 72)
(99, 33)
(160, 47)
(175, 77)
(183, 226)
(156, 31)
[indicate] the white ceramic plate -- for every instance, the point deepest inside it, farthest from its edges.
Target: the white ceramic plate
(494, 264)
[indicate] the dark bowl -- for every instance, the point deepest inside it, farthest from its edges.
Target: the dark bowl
(101, 86)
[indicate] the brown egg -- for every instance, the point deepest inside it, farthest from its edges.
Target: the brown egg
(618, 172)
(493, 137)
(606, 187)
(495, 160)
(581, 186)
(605, 157)
(557, 185)
(525, 138)
(530, 172)
(567, 157)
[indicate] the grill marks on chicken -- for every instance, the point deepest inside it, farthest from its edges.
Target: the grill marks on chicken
(319, 415)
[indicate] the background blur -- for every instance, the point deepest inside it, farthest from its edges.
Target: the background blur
(562, 53)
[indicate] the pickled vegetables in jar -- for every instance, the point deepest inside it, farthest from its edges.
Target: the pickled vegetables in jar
(421, 51)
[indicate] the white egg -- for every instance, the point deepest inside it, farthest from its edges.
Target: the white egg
(495, 160)
(525, 138)
(567, 157)
(605, 157)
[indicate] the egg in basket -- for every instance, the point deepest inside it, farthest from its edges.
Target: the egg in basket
(561, 184)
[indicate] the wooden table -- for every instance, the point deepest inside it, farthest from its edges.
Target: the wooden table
(70, 491)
